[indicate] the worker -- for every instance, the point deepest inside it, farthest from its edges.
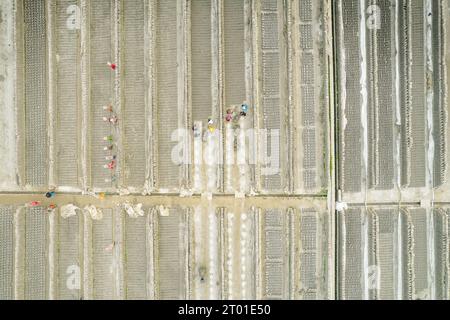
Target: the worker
(211, 126)
(51, 207)
(196, 130)
(113, 66)
(108, 108)
(244, 107)
(113, 157)
(112, 120)
(50, 194)
(111, 165)
(108, 138)
(110, 147)
(34, 203)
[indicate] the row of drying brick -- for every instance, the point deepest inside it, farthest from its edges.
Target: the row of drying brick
(159, 255)
(66, 82)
